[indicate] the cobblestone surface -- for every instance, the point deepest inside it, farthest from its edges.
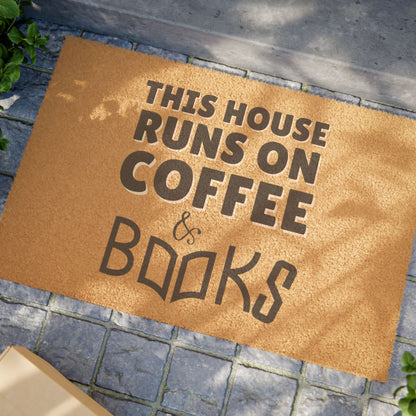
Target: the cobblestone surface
(19, 325)
(322, 92)
(18, 134)
(270, 359)
(256, 392)
(82, 308)
(142, 324)
(377, 408)
(120, 407)
(127, 355)
(72, 346)
(196, 383)
(135, 366)
(206, 342)
(319, 402)
(108, 40)
(5, 186)
(347, 382)
(25, 97)
(275, 81)
(162, 53)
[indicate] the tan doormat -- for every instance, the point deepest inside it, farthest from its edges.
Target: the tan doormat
(253, 213)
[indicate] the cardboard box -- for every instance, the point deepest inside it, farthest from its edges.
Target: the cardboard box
(29, 386)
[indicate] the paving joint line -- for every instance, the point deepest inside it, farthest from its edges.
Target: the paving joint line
(8, 174)
(269, 369)
(117, 395)
(220, 64)
(405, 340)
(44, 323)
(18, 119)
(201, 350)
(31, 304)
(301, 385)
(37, 68)
(99, 361)
(365, 398)
(230, 380)
(166, 370)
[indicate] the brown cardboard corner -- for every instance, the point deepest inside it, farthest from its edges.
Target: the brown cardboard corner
(31, 386)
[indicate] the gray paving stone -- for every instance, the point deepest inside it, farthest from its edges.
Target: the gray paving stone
(270, 359)
(196, 383)
(118, 407)
(108, 40)
(19, 325)
(163, 53)
(83, 308)
(18, 135)
(132, 365)
(319, 402)
(85, 389)
(218, 67)
(57, 35)
(412, 265)
(322, 92)
(347, 382)
(5, 186)
(396, 377)
(407, 323)
(26, 95)
(256, 392)
(388, 109)
(377, 408)
(21, 292)
(268, 79)
(142, 324)
(72, 346)
(207, 342)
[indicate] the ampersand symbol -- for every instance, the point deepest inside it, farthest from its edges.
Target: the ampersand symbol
(189, 232)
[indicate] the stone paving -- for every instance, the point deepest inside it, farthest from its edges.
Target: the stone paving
(134, 366)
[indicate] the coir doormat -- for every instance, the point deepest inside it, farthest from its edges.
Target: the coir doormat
(246, 211)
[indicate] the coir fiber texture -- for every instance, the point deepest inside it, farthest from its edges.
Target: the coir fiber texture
(246, 211)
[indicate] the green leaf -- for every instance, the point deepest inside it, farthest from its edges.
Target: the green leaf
(9, 9)
(17, 57)
(412, 408)
(13, 72)
(15, 35)
(32, 31)
(3, 144)
(30, 41)
(408, 362)
(32, 53)
(404, 405)
(411, 382)
(5, 84)
(3, 51)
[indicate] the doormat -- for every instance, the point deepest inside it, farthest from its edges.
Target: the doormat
(249, 212)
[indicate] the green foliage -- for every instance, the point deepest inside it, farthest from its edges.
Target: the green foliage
(408, 403)
(17, 35)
